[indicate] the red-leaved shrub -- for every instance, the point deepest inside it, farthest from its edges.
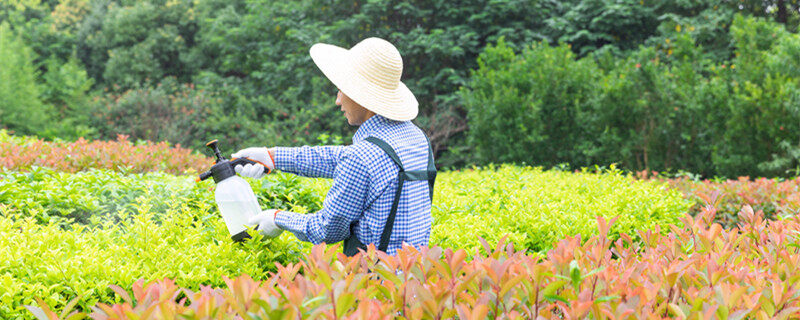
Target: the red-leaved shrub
(698, 270)
(121, 155)
(776, 198)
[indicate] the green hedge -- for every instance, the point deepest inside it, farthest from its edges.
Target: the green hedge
(57, 265)
(536, 208)
(64, 234)
(83, 231)
(664, 107)
(94, 196)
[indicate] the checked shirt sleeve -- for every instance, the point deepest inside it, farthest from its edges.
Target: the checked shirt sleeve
(344, 204)
(315, 162)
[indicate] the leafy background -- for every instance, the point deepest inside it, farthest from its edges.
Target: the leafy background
(105, 106)
(704, 86)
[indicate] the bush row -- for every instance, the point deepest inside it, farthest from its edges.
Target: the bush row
(23, 153)
(535, 208)
(181, 114)
(777, 198)
(666, 106)
(696, 271)
(97, 196)
(57, 265)
(73, 222)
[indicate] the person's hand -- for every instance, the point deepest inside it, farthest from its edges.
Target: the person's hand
(262, 156)
(265, 223)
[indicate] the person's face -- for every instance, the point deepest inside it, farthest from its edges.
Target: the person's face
(355, 113)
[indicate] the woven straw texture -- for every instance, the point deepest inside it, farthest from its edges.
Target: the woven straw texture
(369, 73)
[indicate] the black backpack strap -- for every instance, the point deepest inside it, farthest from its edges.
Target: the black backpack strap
(431, 169)
(387, 229)
(402, 176)
(387, 149)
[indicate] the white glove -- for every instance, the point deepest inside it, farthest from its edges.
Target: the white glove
(266, 223)
(259, 155)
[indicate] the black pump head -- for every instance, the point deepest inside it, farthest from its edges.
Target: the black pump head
(222, 168)
(213, 146)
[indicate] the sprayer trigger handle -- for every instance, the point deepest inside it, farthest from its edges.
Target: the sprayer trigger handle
(242, 161)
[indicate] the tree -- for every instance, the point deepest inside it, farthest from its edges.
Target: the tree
(21, 108)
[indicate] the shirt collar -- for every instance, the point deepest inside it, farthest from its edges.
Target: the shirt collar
(369, 127)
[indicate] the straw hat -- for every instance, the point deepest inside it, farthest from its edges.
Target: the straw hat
(369, 73)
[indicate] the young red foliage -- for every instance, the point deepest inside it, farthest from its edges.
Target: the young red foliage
(698, 270)
(115, 155)
(774, 197)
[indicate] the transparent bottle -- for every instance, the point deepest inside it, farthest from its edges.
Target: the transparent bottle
(235, 199)
(237, 203)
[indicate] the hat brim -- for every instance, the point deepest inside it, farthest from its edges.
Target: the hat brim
(337, 65)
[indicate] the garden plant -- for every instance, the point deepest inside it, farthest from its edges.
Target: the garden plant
(595, 159)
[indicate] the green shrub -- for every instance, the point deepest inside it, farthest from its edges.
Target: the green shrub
(84, 231)
(57, 265)
(21, 106)
(97, 196)
(651, 110)
(764, 109)
(153, 225)
(533, 206)
(182, 114)
(664, 107)
(169, 112)
(66, 87)
(536, 208)
(17, 140)
(538, 98)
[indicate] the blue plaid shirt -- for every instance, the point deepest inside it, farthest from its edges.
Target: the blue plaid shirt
(364, 185)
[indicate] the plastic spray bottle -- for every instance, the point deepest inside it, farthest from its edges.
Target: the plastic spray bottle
(235, 199)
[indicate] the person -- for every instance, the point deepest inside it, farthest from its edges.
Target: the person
(383, 182)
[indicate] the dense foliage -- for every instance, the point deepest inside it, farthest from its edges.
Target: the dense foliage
(96, 196)
(24, 153)
(180, 114)
(45, 261)
(149, 225)
(696, 271)
(661, 108)
(190, 71)
(777, 198)
(536, 208)
(154, 225)
(20, 107)
(705, 86)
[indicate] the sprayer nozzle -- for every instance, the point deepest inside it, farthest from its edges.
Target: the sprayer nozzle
(204, 175)
(213, 146)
